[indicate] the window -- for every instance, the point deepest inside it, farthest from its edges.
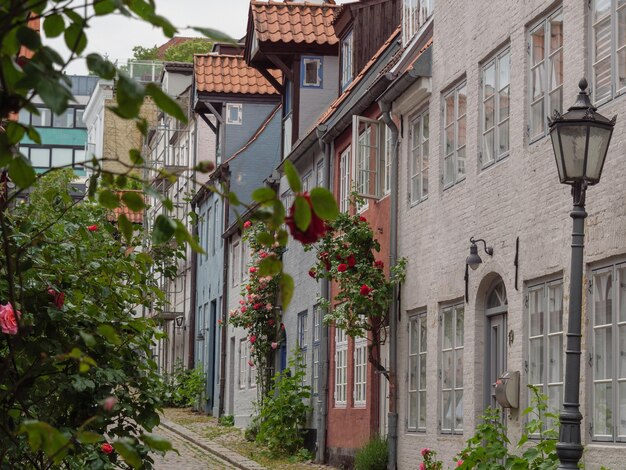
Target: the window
(416, 419)
(287, 198)
(236, 264)
(243, 362)
(545, 341)
(251, 370)
(347, 72)
(419, 157)
(208, 239)
(287, 119)
(245, 259)
(234, 113)
(80, 123)
(608, 49)
(320, 173)
(387, 139)
(44, 119)
(366, 154)
(546, 73)
(307, 182)
(344, 181)
(79, 156)
(495, 109)
(24, 117)
(609, 353)
(360, 371)
(341, 366)
(40, 157)
(414, 14)
(65, 120)
(455, 107)
(303, 319)
(452, 369)
(62, 157)
(317, 324)
(311, 72)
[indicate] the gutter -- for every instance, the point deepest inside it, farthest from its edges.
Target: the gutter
(224, 328)
(191, 358)
(421, 68)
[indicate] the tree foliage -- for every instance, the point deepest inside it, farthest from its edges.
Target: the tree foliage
(181, 52)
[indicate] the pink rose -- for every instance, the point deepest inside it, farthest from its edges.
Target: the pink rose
(250, 363)
(274, 345)
(252, 270)
(109, 403)
(106, 448)
(241, 302)
(459, 463)
(220, 322)
(252, 339)
(92, 228)
(8, 319)
(59, 298)
(244, 309)
(262, 255)
(425, 451)
(422, 466)
(247, 224)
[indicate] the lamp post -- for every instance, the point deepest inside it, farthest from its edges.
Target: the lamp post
(580, 139)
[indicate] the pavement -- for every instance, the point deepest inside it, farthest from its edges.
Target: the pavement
(198, 452)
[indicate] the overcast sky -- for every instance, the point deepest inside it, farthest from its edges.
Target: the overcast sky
(117, 35)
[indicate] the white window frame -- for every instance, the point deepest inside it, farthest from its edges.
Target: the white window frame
(455, 350)
(303, 340)
(387, 142)
(417, 378)
(245, 257)
(347, 50)
(251, 369)
(309, 60)
(229, 108)
(546, 296)
(420, 147)
(341, 368)
(236, 263)
(613, 55)
(542, 71)
(307, 182)
(499, 121)
(362, 153)
(457, 147)
(414, 14)
(611, 369)
(344, 180)
(317, 325)
(359, 393)
(320, 174)
(243, 363)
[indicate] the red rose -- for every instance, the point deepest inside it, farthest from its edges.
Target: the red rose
(328, 266)
(351, 261)
(252, 339)
(252, 270)
(282, 326)
(257, 306)
(312, 273)
(342, 267)
(362, 219)
(106, 448)
(92, 228)
(365, 290)
(270, 322)
(379, 264)
(316, 229)
(59, 298)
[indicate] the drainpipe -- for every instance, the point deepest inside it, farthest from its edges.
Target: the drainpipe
(322, 395)
(224, 338)
(191, 357)
(392, 430)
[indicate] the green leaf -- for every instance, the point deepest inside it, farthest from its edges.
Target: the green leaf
(270, 266)
(109, 199)
(324, 204)
(302, 213)
(88, 437)
(75, 38)
(89, 340)
(126, 227)
(104, 7)
(34, 135)
(286, 289)
(164, 229)
(233, 199)
(100, 66)
(157, 442)
(29, 38)
(134, 201)
(21, 172)
(129, 96)
(15, 132)
(42, 436)
(53, 25)
(214, 34)
(265, 239)
(109, 333)
(263, 195)
(125, 448)
(135, 157)
(292, 177)
(165, 103)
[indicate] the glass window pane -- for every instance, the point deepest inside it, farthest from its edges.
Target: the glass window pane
(504, 103)
(504, 71)
(459, 327)
(622, 409)
(446, 423)
(40, 158)
(24, 116)
(602, 7)
(503, 138)
(603, 397)
(603, 298)
(449, 109)
(555, 308)
(448, 170)
(413, 338)
(79, 156)
(423, 334)
(65, 120)
(621, 68)
(621, 26)
(537, 121)
(413, 373)
(538, 44)
(43, 120)
(422, 374)
(462, 100)
(447, 369)
(622, 293)
(556, 32)
(555, 359)
(449, 134)
(460, 163)
(488, 144)
(458, 373)
(489, 80)
(535, 366)
(425, 126)
(79, 118)
(489, 113)
(412, 410)
(603, 356)
(458, 423)
(537, 75)
(622, 352)
(62, 157)
(556, 100)
(555, 400)
(556, 70)
(422, 409)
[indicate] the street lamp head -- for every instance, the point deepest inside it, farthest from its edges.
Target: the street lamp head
(474, 260)
(580, 139)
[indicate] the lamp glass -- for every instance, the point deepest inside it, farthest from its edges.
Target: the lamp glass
(473, 260)
(599, 138)
(556, 145)
(573, 139)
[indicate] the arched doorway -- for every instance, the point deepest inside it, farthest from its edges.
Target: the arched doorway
(496, 308)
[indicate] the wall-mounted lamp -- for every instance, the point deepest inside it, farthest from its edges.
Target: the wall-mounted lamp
(180, 319)
(474, 260)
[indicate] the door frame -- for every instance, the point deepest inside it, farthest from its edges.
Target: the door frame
(489, 314)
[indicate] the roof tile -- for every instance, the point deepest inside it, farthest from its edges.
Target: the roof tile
(230, 74)
(291, 22)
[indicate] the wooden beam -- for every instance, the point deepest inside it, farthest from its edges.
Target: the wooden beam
(270, 78)
(217, 115)
(209, 123)
(278, 62)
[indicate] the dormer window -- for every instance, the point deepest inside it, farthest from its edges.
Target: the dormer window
(347, 73)
(414, 14)
(311, 72)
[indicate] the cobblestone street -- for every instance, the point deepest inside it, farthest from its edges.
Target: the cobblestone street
(191, 456)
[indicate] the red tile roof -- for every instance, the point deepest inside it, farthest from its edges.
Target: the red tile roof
(230, 74)
(291, 22)
(133, 217)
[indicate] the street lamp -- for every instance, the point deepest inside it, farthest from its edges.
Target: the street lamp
(580, 139)
(474, 260)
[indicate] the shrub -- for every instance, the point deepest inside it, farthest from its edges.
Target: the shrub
(226, 420)
(183, 387)
(373, 456)
(283, 413)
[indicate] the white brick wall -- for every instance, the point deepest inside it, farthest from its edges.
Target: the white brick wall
(517, 197)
